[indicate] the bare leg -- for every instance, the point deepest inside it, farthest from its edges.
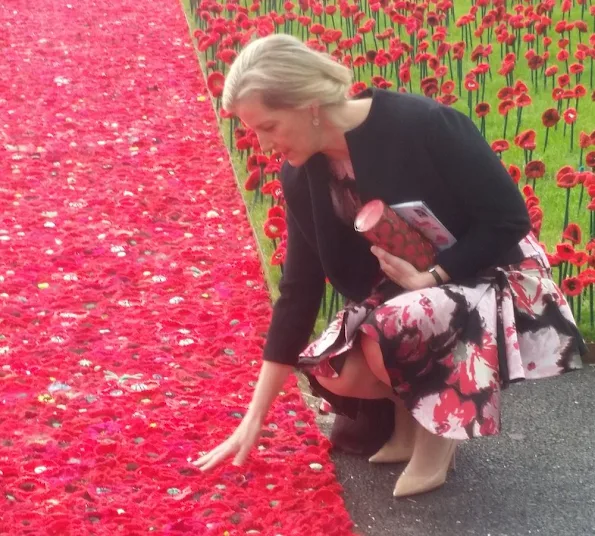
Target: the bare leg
(357, 380)
(399, 448)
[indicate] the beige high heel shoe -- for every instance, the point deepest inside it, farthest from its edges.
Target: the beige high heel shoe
(399, 448)
(433, 455)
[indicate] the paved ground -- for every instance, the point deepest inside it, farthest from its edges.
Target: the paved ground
(537, 478)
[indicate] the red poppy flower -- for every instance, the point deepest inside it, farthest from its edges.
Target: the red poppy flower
(562, 56)
(580, 91)
(276, 212)
(273, 188)
(499, 146)
(215, 83)
(359, 61)
(587, 277)
(482, 109)
(278, 256)
(528, 190)
(553, 259)
(317, 29)
(579, 259)
(380, 82)
(532, 201)
(570, 115)
(471, 84)
(356, 88)
(274, 227)
(557, 94)
(536, 62)
(590, 159)
(572, 233)
(244, 143)
(227, 55)
(563, 80)
(551, 71)
(404, 73)
(576, 68)
(432, 19)
(515, 173)
(584, 140)
(572, 286)
(458, 50)
(520, 87)
(565, 251)
(447, 87)
(253, 180)
(550, 117)
(447, 100)
(441, 71)
(505, 107)
(443, 49)
(535, 169)
(429, 86)
(506, 68)
(505, 93)
(522, 101)
(567, 180)
(526, 140)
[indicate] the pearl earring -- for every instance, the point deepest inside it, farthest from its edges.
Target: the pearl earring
(316, 121)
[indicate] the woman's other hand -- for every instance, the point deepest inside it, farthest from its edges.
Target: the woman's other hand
(402, 272)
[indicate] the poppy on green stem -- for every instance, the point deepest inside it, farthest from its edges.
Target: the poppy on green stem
(515, 173)
(565, 251)
(535, 170)
(526, 140)
(499, 146)
(572, 233)
(572, 286)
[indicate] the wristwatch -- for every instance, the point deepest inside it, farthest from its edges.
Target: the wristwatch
(434, 272)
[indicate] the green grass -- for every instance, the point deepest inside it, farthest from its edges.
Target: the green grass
(558, 154)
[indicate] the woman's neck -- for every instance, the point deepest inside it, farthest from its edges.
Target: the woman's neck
(339, 120)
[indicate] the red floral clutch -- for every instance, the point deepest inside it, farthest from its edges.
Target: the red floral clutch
(383, 227)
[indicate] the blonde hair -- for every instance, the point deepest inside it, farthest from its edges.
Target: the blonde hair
(287, 74)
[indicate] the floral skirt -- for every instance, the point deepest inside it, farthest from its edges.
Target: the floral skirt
(449, 350)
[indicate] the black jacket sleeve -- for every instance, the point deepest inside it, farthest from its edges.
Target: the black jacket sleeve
(484, 189)
(296, 309)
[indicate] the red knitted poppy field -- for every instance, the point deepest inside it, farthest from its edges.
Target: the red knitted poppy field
(133, 304)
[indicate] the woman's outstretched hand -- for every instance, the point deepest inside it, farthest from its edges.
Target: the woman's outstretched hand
(239, 444)
(270, 381)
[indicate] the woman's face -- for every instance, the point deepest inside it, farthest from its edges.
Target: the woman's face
(289, 131)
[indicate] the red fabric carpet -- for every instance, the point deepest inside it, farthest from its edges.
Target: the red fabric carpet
(133, 305)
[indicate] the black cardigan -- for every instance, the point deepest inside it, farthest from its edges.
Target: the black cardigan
(409, 148)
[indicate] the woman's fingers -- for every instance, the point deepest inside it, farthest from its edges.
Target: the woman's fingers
(242, 454)
(389, 270)
(215, 456)
(216, 459)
